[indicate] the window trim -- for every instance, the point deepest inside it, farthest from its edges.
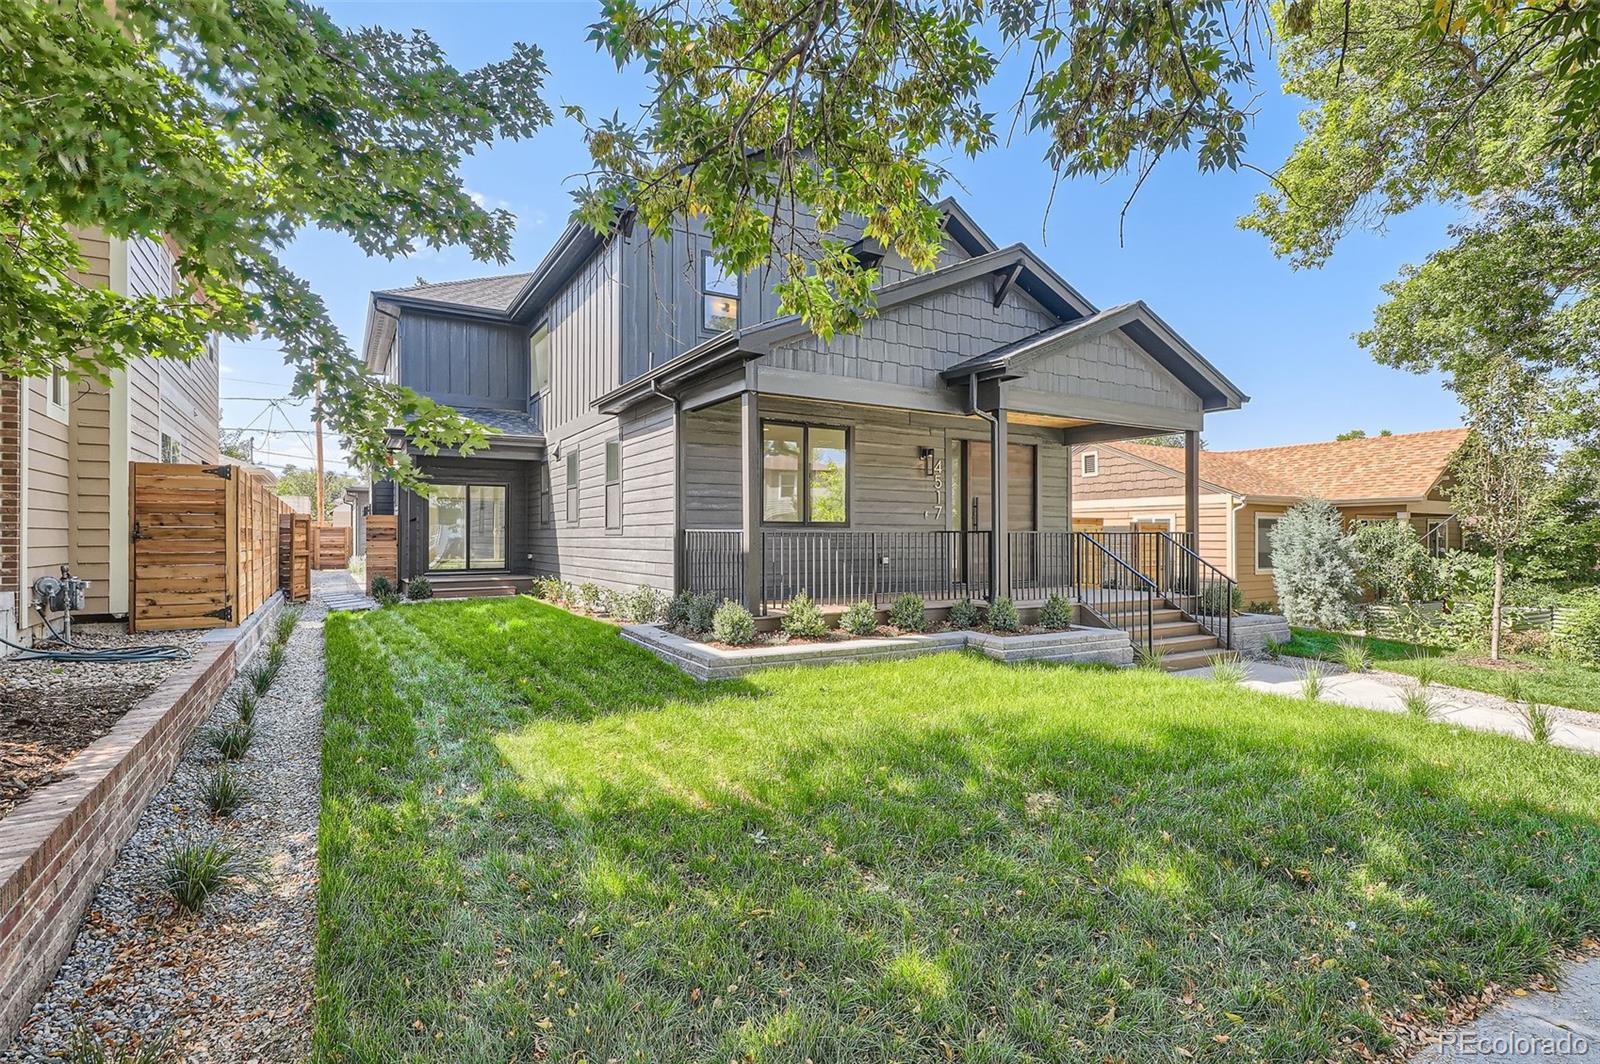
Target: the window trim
(805, 428)
(1084, 456)
(705, 293)
(613, 517)
(466, 518)
(549, 363)
(574, 478)
(1256, 560)
(58, 408)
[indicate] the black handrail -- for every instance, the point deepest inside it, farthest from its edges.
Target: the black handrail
(1210, 589)
(1116, 597)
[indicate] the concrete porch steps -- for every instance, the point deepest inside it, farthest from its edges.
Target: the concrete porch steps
(478, 585)
(1182, 642)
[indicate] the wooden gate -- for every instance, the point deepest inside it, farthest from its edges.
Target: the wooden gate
(383, 549)
(294, 555)
(204, 551)
(331, 546)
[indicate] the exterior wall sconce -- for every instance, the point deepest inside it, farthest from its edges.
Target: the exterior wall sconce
(926, 454)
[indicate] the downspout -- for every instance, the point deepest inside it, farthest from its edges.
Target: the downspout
(1233, 537)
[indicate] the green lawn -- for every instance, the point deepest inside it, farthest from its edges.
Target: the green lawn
(539, 843)
(1556, 683)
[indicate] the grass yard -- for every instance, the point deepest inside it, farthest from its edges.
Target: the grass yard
(1555, 683)
(540, 843)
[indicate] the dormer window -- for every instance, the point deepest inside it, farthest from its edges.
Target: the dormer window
(720, 293)
(539, 359)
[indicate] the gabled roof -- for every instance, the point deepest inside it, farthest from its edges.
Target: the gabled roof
(1374, 468)
(479, 293)
(1139, 324)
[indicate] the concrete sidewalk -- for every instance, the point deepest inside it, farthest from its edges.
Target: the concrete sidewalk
(1564, 1025)
(1386, 691)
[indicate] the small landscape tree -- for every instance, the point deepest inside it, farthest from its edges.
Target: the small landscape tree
(1312, 567)
(1391, 562)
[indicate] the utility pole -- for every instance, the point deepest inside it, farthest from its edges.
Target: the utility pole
(320, 503)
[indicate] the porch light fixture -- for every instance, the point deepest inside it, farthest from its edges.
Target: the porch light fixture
(926, 454)
(395, 441)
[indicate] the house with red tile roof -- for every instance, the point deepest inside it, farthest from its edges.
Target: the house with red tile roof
(1243, 493)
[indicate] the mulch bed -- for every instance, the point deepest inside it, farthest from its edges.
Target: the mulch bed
(51, 710)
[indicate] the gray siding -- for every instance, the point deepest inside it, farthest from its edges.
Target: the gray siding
(463, 362)
(579, 547)
(889, 490)
(584, 321)
(517, 476)
(911, 343)
(1109, 366)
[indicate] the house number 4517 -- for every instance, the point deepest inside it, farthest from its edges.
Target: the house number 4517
(936, 471)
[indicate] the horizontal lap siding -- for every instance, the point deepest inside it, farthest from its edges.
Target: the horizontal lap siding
(49, 518)
(889, 490)
(642, 550)
(1256, 587)
(166, 394)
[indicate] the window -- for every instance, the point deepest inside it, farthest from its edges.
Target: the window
(539, 359)
(805, 474)
(1265, 527)
(613, 485)
(720, 291)
(171, 448)
(572, 486)
(58, 394)
(545, 504)
(466, 527)
(1437, 538)
(1089, 463)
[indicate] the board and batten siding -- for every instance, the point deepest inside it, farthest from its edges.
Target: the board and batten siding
(462, 362)
(518, 478)
(579, 548)
(585, 344)
(889, 488)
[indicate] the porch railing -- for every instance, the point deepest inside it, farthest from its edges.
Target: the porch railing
(841, 567)
(1205, 592)
(713, 562)
(1114, 591)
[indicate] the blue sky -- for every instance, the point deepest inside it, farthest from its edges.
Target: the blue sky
(1283, 336)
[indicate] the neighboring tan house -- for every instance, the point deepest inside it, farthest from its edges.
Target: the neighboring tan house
(65, 447)
(1243, 493)
(662, 424)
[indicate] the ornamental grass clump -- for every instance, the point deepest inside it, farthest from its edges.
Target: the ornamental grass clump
(803, 619)
(1418, 702)
(231, 740)
(1003, 615)
(1311, 681)
(287, 620)
(966, 614)
(860, 619)
(1354, 655)
(909, 613)
(222, 792)
(1228, 670)
(733, 625)
(192, 874)
(1057, 612)
(245, 704)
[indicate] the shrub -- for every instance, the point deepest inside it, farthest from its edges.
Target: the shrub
(591, 596)
(645, 605)
(1391, 563)
(1218, 598)
(1261, 606)
(419, 589)
(387, 595)
(1577, 637)
(222, 792)
(909, 614)
(246, 702)
(1312, 570)
(192, 874)
(966, 614)
(380, 587)
(702, 611)
(860, 619)
(803, 619)
(733, 625)
(612, 604)
(231, 740)
(1003, 615)
(1057, 612)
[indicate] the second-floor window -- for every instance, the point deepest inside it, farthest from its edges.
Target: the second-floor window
(720, 293)
(539, 359)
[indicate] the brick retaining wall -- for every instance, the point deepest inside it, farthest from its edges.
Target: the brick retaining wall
(58, 844)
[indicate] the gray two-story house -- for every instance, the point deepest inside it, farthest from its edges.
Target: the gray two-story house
(661, 423)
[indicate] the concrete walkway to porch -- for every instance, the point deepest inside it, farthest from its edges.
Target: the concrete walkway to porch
(1386, 691)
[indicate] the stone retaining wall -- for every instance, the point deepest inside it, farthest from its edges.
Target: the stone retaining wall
(1084, 645)
(57, 845)
(1252, 630)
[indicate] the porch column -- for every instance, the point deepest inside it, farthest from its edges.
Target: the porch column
(1191, 503)
(999, 538)
(750, 497)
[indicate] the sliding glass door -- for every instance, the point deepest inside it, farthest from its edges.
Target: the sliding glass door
(466, 527)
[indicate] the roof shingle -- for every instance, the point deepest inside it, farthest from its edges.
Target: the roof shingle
(484, 293)
(1406, 466)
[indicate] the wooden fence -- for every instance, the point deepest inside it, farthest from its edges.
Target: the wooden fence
(204, 550)
(331, 546)
(383, 549)
(294, 555)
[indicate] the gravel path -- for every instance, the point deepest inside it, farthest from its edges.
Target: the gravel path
(233, 983)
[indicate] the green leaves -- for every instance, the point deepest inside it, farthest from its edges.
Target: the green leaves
(226, 129)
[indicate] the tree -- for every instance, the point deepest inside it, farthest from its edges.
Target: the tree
(1499, 477)
(1563, 546)
(1312, 568)
(1391, 561)
(226, 129)
(1359, 434)
(296, 481)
